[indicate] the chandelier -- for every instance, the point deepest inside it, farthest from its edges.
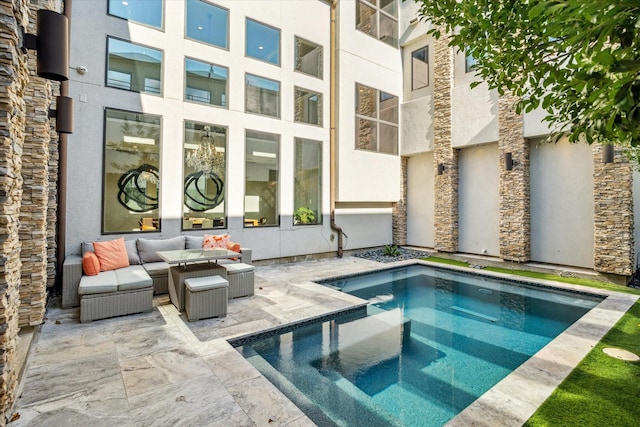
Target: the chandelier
(206, 157)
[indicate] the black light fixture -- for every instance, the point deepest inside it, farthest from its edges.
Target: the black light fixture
(508, 161)
(52, 45)
(441, 168)
(607, 153)
(63, 114)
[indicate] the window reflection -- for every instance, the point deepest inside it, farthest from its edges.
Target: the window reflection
(206, 83)
(148, 12)
(308, 182)
(134, 67)
(308, 57)
(207, 23)
(262, 96)
(420, 68)
(308, 106)
(376, 120)
(131, 172)
(262, 175)
(204, 176)
(262, 42)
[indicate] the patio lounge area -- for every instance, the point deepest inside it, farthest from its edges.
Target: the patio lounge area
(158, 368)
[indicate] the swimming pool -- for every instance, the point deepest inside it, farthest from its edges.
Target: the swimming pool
(429, 343)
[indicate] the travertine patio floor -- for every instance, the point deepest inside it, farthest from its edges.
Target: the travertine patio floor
(158, 369)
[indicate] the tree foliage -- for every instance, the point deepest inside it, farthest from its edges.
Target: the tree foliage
(578, 60)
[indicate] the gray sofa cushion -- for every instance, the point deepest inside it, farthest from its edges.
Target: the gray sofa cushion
(194, 242)
(156, 268)
(132, 252)
(133, 277)
(147, 248)
(104, 282)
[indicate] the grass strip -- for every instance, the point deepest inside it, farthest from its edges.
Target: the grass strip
(601, 390)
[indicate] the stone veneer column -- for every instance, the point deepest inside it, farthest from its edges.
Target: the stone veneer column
(613, 214)
(514, 190)
(446, 184)
(399, 212)
(13, 79)
(35, 198)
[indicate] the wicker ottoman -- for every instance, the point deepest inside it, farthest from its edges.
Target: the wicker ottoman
(241, 279)
(205, 297)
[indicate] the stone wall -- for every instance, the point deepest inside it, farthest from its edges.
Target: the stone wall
(514, 191)
(399, 212)
(613, 214)
(446, 184)
(13, 80)
(35, 198)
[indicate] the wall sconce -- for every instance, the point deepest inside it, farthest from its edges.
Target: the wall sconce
(508, 161)
(607, 153)
(51, 43)
(441, 168)
(63, 114)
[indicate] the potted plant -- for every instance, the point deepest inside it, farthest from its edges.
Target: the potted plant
(304, 215)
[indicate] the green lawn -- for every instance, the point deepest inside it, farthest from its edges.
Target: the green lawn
(601, 390)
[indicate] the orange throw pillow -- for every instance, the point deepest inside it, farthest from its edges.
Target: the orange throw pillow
(90, 264)
(235, 247)
(112, 254)
(212, 241)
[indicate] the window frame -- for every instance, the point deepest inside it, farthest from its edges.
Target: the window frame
(376, 120)
(295, 57)
(377, 13)
(426, 49)
(319, 217)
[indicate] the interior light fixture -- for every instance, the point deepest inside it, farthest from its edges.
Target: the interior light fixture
(138, 140)
(263, 154)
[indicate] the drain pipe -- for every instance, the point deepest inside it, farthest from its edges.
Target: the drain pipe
(332, 126)
(61, 234)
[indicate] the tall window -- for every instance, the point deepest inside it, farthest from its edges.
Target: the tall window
(207, 23)
(308, 57)
(378, 18)
(308, 106)
(420, 68)
(147, 12)
(376, 120)
(204, 176)
(205, 82)
(131, 172)
(308, 182)
(262, 96)
(134, 67)
(262, 175)
(470, 63)
(262, 42)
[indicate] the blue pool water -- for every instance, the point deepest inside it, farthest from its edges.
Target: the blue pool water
(429, 343)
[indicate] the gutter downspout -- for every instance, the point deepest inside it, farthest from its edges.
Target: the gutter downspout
(61, 234)
(332, 126)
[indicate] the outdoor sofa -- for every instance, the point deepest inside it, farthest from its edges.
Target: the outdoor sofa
(129, 289)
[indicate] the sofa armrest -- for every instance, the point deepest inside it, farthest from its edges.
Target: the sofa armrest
(71, 275)
(246, 255)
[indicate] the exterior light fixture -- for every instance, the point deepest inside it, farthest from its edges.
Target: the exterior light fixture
(508, 161)
(63, 114)
(607, 153)
(52, 45)
(441, 168)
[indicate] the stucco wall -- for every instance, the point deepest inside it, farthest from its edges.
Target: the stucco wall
(562, 204)
(89, 34)
(478, 200)
(421, 200)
